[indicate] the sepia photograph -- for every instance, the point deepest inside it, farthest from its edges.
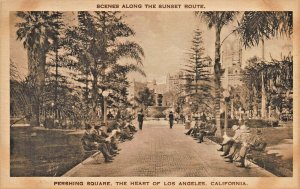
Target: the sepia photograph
(151, 94)
(146, 96)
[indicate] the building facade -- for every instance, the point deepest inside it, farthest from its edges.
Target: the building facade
(232, 63)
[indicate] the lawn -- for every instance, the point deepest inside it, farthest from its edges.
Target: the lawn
(45, 153)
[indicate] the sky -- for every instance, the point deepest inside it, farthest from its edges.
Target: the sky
(166, 38)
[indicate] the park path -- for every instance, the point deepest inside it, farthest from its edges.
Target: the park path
(158, 151)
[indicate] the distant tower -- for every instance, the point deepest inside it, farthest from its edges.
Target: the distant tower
(240, 53)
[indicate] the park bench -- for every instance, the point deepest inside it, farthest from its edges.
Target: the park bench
(209, 135)
(254, 154)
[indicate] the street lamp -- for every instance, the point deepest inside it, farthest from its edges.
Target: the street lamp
(226, 96)
(190, 103)
(52, 108)
(105, 95)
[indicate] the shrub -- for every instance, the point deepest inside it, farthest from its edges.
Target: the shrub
(158, 115)
(252, 123)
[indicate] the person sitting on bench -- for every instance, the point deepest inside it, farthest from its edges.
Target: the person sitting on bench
(102, 137)
(113, 132)
(90, 143)
(243, 139)
(130, 126)
(201, 126)
(193, 126)
(229, 141)
(210, 132)
(256, 143)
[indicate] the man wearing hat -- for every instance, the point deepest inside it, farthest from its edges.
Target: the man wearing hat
(140, 119)
(102, 137)
(90, 142)
(171, 119)
(254, 143)
(210, 132)
(194, 125)
(243, 138)
(130, 126)
(112, 132)
(228, 141)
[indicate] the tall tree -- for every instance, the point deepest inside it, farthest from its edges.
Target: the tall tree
(278, 79)
(145, 98)
(197, 77)
(37, 31)
(217, 20)
(257, 26)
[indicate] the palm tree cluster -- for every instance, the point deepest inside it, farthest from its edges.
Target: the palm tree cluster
(252, 28)
(70, 66)
(277, 83)
(38, 31)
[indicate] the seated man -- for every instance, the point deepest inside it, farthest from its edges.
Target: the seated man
(255, 143)
(89, 143)
(236, 146)
(124, 132)
(113, 133)
(102, 137)
(130, 126)
(200, 125)
(229, 141)
(193, 127)
(209, 132)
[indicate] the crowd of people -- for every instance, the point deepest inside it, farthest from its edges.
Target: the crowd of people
(201, 128)
(106, 138)
(234, 149)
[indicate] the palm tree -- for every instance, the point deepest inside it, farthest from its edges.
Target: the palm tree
(37, 30)
(97, 46)
(257, 26)
(217, 20)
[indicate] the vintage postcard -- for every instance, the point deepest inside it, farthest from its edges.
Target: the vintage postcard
(149, 94)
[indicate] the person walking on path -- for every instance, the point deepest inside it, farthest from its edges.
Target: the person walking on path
(171, 119)
(140, 119)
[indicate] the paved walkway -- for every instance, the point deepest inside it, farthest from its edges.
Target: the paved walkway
(158, 151)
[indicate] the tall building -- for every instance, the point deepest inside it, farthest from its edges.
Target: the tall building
(231, 61)
(175, 83)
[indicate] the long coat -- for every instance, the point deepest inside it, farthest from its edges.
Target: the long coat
(140, 117)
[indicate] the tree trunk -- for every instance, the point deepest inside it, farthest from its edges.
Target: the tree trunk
(56, 83)
(263, 98)
(217, 69)
(37, 71)
(95, 90)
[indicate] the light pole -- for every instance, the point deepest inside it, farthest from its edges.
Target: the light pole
(105, 95)
(52, 112)
(191, 117)
(240, 112)
(226, 99)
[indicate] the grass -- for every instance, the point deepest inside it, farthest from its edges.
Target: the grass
(49, 153)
